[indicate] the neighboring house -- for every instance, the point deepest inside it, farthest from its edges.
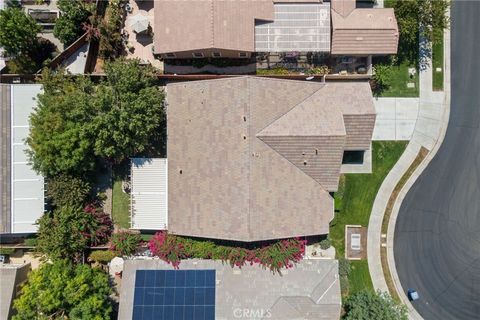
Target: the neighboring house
(21, 189)
(253, 158)
(12, 276)
(363, 31)
(233, 29)
(208, 289)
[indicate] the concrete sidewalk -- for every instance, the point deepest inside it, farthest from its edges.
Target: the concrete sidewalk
(429, 131)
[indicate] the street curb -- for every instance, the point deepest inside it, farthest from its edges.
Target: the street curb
(374, 240)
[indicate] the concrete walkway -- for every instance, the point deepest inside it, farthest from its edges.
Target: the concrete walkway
(429, 131)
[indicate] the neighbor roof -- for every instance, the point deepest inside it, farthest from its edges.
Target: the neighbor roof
(11, 276)
(248, 152)
(363, 31)
(22, 189)
(296, 27)
(200, 24)
(309, 290)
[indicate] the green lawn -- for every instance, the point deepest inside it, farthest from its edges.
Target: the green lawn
(437, 62)
(359, 278)
(398, 80)
(120, 205)
(354, 201)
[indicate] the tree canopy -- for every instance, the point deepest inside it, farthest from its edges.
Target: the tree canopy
(62, 233)
(77, 123)
(66, 232)
(366, 305)
(68, 26)
(61, 290)
(65, 190)
(18, 31)
(419, 17)
(60, 137)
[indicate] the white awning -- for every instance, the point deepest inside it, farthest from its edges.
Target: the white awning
(149, 188)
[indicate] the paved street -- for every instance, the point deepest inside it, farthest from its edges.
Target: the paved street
(437, 236)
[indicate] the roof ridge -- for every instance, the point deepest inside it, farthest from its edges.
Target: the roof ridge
(290, 110)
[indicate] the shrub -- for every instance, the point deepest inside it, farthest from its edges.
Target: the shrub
(102, 256)
(30, 242)
(64, 190)
(325, 244)
(344, 267)
(101, 226)
(6, 251)
(344, 285)
(273, 71)
(281, 254)
(369, 305)
(380, 78)
(318, 70)
(110, 38)
(125, 243)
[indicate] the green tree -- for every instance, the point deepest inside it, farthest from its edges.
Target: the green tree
(366, 305)
(411, 14)
(131, 110)
(18, 31)
(64, 190)
(68, 26)
(60, 138)
(76, 122)
(63, 233)
(61, 290)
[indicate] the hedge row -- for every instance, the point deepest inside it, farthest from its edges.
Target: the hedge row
(281, 254)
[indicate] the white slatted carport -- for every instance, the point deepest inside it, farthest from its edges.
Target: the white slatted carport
(27, 192)
(149, 191)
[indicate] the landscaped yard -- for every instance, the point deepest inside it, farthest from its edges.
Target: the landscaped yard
(437, 62)
(354, 201)
(120, 199)
(399, 79)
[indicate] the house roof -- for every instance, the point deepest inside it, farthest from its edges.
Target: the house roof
(309, 290)
(249, 152)
(185, 25)
(11, 276)
(364, 31)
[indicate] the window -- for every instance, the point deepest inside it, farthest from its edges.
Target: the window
(170, 55)
(353, 157)
(242, 54)
(216, 54)
(197, 55)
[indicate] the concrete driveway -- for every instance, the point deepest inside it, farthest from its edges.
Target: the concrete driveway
(396, 118)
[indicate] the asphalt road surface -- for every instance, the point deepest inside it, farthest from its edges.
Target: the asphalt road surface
(437, 236)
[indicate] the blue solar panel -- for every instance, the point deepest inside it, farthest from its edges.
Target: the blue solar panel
(174, 294)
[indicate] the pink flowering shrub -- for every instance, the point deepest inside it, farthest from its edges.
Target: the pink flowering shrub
(282, 254)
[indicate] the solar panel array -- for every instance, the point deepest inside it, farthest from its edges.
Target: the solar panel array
(174, 295)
